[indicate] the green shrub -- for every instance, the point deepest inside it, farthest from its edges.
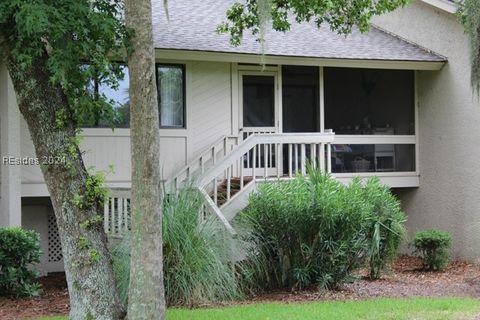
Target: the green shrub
(387, 228)
(434, 247)
(316, 231)
(197, 255)
(19, 249)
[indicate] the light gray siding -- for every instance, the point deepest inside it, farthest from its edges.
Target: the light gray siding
(211, 104)
(10, 188)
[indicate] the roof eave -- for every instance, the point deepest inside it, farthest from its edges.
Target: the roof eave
(196, 55)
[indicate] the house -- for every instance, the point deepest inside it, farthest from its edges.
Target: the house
(394, 102)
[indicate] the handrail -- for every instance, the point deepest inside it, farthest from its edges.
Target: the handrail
(210, 151)
(258, 139)
(119, 193)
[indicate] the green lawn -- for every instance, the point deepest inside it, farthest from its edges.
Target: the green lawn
(384, 309)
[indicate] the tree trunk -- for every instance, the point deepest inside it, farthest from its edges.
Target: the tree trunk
(146, 292)
(91, 284)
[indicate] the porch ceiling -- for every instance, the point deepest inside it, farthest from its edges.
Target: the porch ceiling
(192, 29)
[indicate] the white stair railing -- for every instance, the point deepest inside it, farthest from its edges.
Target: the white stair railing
(208, 158)
(263, 156)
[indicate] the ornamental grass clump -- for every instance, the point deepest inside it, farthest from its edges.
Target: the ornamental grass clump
(202, 261)
(19, 250)
(197, 253)
(316, 231)
(434, 248)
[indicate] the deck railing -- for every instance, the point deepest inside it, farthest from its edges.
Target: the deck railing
(263, 156)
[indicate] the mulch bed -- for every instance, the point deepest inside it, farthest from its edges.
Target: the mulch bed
(405, 279)
(53, 301)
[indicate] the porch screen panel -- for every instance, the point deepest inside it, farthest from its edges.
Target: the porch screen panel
(171, 95)
(258, 101)
(353, 158)
(300, 99)
(369, 101)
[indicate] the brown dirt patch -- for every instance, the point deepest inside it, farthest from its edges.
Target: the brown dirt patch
(405, 279)
(52, 302)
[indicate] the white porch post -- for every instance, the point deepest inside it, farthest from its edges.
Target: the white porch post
(10, 189)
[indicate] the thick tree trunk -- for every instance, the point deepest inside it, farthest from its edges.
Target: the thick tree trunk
(146, 293)
(91, 284)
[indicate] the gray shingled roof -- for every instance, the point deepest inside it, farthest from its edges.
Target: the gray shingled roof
(193, 22)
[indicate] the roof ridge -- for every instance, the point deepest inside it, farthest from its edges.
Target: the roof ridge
(408, 41)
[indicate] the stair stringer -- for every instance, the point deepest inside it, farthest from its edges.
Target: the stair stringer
(239, 201)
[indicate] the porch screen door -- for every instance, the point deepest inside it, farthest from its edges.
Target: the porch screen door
(259, 114)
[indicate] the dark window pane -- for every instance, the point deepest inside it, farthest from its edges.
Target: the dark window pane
(258, 101)
(171, 96)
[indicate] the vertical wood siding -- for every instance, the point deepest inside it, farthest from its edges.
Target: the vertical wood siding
(210, 109)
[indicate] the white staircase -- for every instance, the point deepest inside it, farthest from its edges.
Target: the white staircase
(228, 171)
(207, 159)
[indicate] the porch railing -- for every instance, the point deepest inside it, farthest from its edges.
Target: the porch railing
(116, 212)
(266, 156)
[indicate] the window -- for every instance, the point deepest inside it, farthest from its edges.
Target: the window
(171, 99)
(171, 95)
(258, 101)
(120, 103)
(121, 100)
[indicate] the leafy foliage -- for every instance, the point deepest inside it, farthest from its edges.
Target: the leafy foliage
(341, 16)
(469, 14)
(202, 261)
(434, 247)
(95, 193)
(19, 249)
(316, 231)
(387, 227)
(80, 38)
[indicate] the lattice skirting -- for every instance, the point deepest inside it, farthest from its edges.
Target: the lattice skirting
(54, 243)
